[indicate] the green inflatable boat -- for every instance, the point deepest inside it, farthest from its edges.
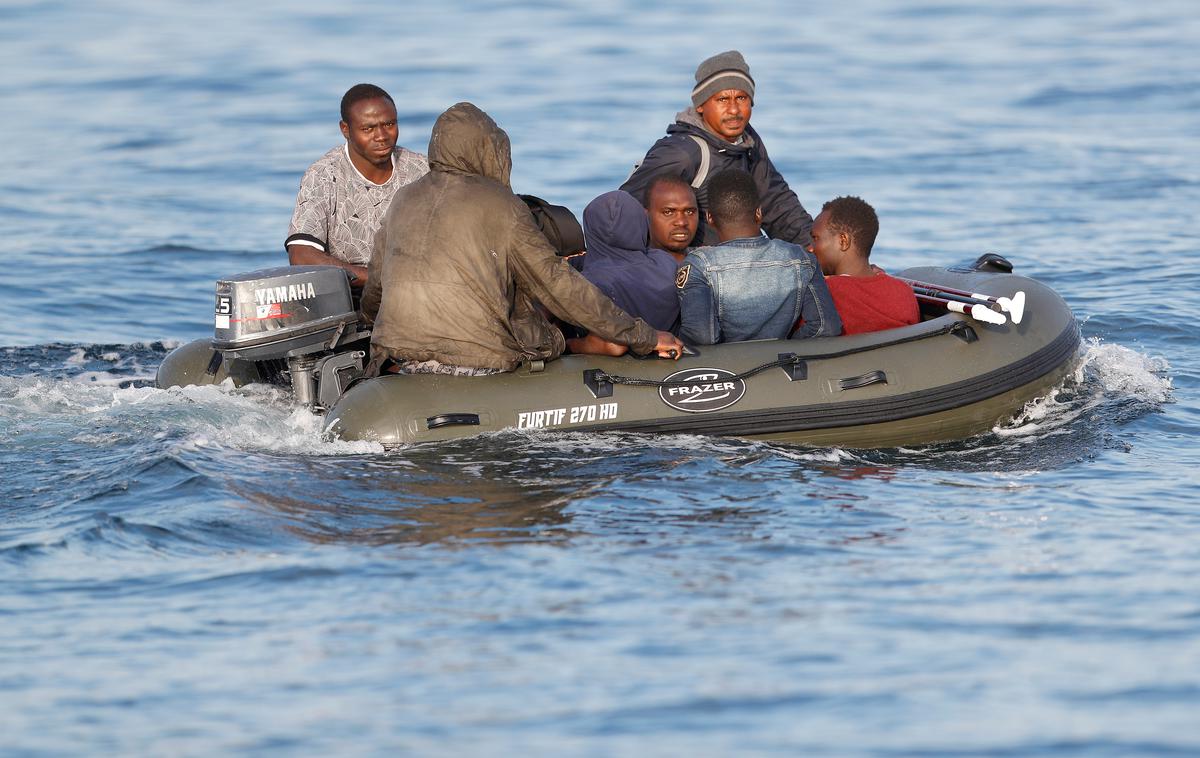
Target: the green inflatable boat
(990, 342)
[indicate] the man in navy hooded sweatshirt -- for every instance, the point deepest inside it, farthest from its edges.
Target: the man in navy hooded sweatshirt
(622, 265)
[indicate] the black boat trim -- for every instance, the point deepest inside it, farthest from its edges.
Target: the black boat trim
(865, 412)
(596, 384)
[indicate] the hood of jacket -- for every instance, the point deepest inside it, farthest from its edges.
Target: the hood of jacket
(615, 228)
(465, 140)
(620, 262)
(688, 121)
(458, 263)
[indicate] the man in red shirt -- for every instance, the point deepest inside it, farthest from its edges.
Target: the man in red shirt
(866, 298)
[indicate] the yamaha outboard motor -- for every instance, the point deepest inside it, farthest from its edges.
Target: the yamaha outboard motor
(298, 319)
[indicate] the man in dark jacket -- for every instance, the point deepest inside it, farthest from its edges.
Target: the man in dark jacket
(458, 266)
(715, 134)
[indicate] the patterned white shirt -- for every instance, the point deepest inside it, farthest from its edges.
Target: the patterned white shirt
(338, 210)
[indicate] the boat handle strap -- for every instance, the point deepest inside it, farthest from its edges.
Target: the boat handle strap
(863, 380)
(452, 419)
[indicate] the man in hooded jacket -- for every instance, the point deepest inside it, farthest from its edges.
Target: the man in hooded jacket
(619, 260)
(622, 264)
(458, 266)
(713, 135)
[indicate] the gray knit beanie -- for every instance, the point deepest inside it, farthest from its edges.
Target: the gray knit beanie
(727, 70)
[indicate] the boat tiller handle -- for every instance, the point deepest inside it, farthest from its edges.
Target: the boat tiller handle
(214, 363)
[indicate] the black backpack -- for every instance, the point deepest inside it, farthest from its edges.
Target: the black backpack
(558, 225)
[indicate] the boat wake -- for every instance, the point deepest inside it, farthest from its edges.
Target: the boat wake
(1111, 386)
(164, 461)
(103, 394)
(101, 365)
(1110, 382)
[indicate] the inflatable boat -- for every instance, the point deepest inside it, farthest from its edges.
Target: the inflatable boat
(990, 341)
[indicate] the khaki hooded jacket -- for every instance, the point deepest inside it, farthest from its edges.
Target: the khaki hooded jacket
(458, 264)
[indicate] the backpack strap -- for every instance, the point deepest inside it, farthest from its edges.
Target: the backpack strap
(705, 156)
(701, 172)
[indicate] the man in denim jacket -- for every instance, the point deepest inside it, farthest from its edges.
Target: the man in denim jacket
(749, 286)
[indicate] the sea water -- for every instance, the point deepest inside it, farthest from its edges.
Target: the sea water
(197, 571)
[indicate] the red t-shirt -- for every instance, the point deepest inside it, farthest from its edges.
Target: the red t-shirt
(872, 303)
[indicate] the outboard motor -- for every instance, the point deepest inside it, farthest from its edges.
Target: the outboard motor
(297, 318)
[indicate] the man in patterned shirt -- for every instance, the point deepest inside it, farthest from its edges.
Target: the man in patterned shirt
(344, 195)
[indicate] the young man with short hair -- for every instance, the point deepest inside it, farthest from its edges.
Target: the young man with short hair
(673, 214)
(344, 195)
(750, 286)
(867, 299)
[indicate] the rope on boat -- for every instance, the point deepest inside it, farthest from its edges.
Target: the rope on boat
(786, 360)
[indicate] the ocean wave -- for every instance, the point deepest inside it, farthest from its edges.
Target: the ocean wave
(1110, 381)
(100, 364)
(1184, 95)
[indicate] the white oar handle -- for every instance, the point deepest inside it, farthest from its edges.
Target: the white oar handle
(978, 312)
(1014, 306)
(987, 315)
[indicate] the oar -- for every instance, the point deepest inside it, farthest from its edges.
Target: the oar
(978, 311)
(933, 292)
(1014, 306)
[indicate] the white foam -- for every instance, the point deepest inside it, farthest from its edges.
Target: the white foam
(262, 418)
(104, 378)
(47, 397)
(835, 455)
(1105, 372)
(258, 417)
(126, 368)
(1127, 372)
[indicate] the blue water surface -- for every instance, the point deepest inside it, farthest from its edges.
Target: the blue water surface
(197, 571)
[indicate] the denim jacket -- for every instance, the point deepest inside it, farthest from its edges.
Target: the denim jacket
(753, 288)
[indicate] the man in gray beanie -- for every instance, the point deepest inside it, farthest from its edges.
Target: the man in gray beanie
(714, 134)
